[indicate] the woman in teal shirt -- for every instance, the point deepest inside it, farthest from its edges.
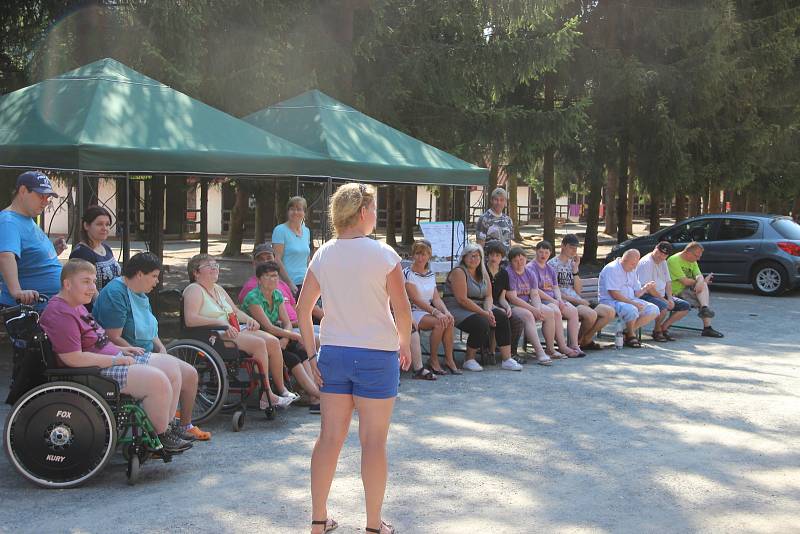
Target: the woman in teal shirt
(292, 244)
(123, 310)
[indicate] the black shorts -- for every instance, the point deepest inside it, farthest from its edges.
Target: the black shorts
(293, 355)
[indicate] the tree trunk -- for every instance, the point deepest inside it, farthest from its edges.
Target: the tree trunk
(494, 171)
(445, 198)
(694, 205)
(548, 170)
(796, 208)
(610, 212)
(680, 207)
(738, 201)
(513, 212)
(204, 215)
(622, 189)
(714, 205)
(391, 216)
(629, 211)
(409, 214)
(593, 214)
(655, 215)
(236, 228)
(262, 220)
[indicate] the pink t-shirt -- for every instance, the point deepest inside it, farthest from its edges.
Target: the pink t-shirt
(289, 301)
(73, 329)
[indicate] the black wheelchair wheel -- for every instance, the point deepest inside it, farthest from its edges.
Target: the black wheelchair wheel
(237, 421)
(212, 381)
(133, 470)
(59, 435)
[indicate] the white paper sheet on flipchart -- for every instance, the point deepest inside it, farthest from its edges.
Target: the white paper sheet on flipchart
(444, 239)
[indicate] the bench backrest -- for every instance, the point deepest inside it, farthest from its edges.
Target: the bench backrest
(589, 289)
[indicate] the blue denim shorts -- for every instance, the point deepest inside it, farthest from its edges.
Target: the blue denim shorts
(369, 373)
(680, 304)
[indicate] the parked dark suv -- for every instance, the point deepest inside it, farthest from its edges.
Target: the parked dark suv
(740, 248)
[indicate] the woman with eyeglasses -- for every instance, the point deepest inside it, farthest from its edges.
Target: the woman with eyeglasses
(363, 348)
(79, 341)
(292, 244)
(206, 304)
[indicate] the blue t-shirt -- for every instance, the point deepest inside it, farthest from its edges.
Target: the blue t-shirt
(296, 250)
(38, 267)
(113, 309)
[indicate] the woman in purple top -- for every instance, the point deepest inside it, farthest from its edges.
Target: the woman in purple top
(551, 297)
(524, 297)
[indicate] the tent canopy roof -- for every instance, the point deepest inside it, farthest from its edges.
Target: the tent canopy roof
(360, 146)
(106, 117)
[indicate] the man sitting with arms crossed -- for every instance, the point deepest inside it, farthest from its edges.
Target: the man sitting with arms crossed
(619, 287)
(690, 284)
(592, 318)
(653, 266)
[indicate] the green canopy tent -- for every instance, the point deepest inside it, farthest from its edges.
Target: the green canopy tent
(361, 147)
(105, 117)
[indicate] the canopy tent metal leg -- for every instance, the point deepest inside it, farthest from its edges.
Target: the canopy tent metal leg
(126, 227)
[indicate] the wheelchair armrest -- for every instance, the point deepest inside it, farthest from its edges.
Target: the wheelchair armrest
(72, 371)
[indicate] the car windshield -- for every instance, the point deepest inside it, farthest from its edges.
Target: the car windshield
(787, 228)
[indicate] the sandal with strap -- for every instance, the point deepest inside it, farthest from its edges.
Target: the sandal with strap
(330, 524)
(423, 374)
(378, 530)
(438, 371)
(633, 342)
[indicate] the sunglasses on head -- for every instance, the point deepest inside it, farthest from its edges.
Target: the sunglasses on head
(102, 338)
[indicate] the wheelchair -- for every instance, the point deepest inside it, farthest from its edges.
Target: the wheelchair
(66, 423)
(227, 377)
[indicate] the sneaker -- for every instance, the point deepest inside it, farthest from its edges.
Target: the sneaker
(706, 313)
(284, 402)
(472, 365)
(196, 434)
(288, 393)
(313, 408)
(511, 365)
(710, 332)
(172, 443)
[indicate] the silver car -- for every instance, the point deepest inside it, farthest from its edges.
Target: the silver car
(739, 248)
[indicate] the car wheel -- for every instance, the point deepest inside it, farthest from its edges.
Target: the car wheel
(770, 279)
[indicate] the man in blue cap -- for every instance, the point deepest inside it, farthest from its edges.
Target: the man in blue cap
(29, 263)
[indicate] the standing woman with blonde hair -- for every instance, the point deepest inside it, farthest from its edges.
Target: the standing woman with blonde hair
(291, 242)
(357, 366)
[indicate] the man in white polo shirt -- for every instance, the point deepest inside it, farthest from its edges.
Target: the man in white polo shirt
(619, 288)
(653, 267)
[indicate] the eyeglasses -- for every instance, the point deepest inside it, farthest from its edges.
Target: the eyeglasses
(102, 338)
(212, 266)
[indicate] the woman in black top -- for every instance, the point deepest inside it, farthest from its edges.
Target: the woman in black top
(95, 228)
(495, 251)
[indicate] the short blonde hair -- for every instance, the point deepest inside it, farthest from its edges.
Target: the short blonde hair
(422, 245)
(694, 245)
(75, 266)
(346, 204)
(296, 202)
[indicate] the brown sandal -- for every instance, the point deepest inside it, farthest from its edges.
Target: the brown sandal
(378, 530)
(333, 524)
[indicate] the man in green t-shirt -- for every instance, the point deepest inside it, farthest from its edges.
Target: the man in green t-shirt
(689, 284)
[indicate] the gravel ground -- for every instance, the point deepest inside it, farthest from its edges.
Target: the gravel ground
(693, 436)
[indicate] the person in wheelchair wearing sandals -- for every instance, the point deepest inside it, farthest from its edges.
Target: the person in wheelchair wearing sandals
(206, 304)
(123, 310)
(265, 304)
(79, 341)
(619, 288)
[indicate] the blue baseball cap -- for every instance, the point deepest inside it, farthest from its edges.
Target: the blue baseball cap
(37, 182)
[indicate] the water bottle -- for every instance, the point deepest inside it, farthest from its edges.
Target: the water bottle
(619, 335)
